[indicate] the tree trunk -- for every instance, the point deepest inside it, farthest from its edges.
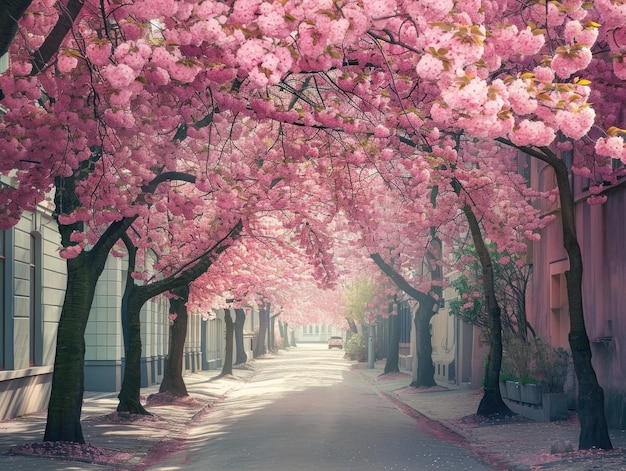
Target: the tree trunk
(240, 355)
(173, 373)
(135, 296)
(286, 334)
(491, 402)
(130, 392)
(259, 347)
(271, 335)
(66, 398)
(281, 330)
(227, 368)
(83, 271)
(425, 375)
(392, 364)
(593, 425)
(353, 327)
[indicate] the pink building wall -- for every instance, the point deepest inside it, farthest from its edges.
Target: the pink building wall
(601, 233)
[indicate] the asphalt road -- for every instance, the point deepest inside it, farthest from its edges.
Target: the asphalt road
(307, 410)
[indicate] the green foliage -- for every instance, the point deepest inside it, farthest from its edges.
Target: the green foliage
(357, 297)
(510, 277)
(534, 361)
(357, 344)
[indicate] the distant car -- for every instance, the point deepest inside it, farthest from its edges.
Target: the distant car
(335, 342)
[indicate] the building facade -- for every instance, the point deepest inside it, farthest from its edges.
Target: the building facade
(600, 231)
(32, 290)
(317, 333)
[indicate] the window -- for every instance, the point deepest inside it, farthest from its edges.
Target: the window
(35, 354)
(559, 319)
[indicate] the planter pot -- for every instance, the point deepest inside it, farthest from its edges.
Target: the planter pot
(531, 393)
(554, 406)
(513, 392)
(503, 389)
(359, 357)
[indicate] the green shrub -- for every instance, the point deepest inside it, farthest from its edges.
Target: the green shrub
(534, 361)
(356, 344)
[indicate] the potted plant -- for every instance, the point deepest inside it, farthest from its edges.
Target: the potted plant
(531, 391)
(552, 364)
(504, 377)
(356, 347)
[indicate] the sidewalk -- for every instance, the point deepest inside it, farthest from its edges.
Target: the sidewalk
(517, 444)
(118, 443)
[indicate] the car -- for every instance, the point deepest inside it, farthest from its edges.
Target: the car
(335, 341)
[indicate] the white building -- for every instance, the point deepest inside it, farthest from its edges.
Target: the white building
(312, 333)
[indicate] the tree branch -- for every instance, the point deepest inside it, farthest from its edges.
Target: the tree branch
(57, 35)
(10, 14)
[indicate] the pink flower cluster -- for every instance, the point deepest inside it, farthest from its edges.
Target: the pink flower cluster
(263, 63)
(119, 76)
(611, 146)
(576, 33)
(570, 59)
(520, 98)
(532, 133)
(577, 123)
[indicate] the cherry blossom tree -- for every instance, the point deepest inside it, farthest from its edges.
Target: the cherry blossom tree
(133, 81)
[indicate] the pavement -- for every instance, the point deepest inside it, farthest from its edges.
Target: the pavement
(122, 443)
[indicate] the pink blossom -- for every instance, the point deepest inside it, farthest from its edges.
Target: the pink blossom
(520, 98)
(575, 33)
(338, 30)
(121, 98)
(208, 31)
(99, 52)
(429, 67)
(568, 60)
(544, 74)
(157, 76)
(66, 63)
(597, 199)
(71, 252)
(133, 54)
(378, 8)
(613, 13)
(244, 11)
(272, 20)
(184, 72)
(21, 67)
(529, 43)
(532, 133)
(429, 10)
(165, 8)
(251, 54)
(381, 131)
(359, 23)
(576, 124)
(119, 76)
(611, 146)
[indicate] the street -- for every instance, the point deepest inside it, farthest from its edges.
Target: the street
(306, 409)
